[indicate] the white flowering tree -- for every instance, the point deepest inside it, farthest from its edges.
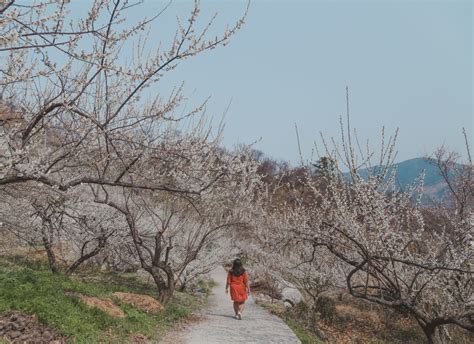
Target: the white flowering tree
(283, 248)
(70, 230)
(87, 116)
(392, 254)
(211, 255)
(88, 123)
(172, 233)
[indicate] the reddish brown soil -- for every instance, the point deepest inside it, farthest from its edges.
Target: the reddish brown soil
(143, 302)
(104, 304)
(137, 338)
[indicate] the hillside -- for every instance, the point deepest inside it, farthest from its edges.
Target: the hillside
(408, 171)
(37, 306)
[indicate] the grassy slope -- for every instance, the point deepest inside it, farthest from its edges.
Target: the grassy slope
(35, 290)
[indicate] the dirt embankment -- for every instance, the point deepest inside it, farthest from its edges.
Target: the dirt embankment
(18, 328)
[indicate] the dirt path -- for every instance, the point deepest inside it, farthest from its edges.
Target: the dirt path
(219, 326)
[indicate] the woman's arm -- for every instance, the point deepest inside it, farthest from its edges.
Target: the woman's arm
(246, 282)
(227, 284)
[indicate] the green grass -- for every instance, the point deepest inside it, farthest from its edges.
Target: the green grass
(38, 291)
(206, 285)
(306, 336)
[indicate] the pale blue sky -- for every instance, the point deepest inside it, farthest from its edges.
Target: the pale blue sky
(408, 64)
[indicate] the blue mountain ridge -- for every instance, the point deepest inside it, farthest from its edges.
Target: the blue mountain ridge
(408, 171)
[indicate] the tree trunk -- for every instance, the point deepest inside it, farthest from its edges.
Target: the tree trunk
(434, 334)
(182, 287)
(49, 251)
(165, 295)
(165, 288)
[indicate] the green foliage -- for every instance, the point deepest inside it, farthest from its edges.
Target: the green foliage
(400, 334)
(206, 286)
(306, 336)
(325, 166)
(326, 307)
(19, 261)
(300, 311)
(42, 293)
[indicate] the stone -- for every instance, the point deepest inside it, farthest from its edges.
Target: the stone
(291, 294)
(14, 334)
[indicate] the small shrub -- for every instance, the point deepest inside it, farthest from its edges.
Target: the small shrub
(326, 307)
(206, 286)
(300, 310)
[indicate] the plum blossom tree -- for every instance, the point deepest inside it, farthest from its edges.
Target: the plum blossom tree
(71, 230)
(172, 233)
(392, 254)
(281, 248)
(86, 114)
(214, 254)
(93, 129)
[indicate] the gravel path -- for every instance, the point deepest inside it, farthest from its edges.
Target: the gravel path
(219, 326)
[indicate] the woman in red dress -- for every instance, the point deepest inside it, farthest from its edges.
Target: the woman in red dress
(238, 281)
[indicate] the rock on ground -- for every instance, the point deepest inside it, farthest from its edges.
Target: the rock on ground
(291, 294)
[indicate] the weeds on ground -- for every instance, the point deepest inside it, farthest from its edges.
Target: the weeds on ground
(38, 291)
(304, 335)
(206, 286)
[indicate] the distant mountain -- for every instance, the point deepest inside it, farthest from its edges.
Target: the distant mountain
(408, 171)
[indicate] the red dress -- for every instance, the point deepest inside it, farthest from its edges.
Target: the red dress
(238, 286)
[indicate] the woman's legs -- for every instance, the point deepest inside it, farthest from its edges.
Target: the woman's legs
(241, 307)
(236, 308)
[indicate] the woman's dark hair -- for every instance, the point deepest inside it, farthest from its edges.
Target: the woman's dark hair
(237, 268)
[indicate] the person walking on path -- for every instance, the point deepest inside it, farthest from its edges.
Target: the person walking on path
(238, 282)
